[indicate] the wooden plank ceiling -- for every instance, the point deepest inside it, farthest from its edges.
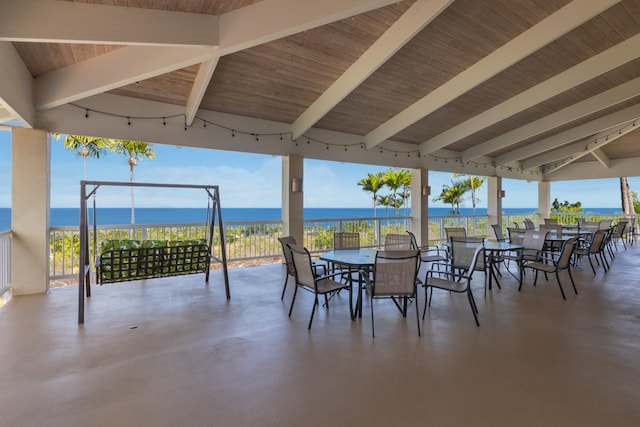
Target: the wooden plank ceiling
(517, 115)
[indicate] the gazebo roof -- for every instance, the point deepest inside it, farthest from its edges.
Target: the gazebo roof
(540, 90)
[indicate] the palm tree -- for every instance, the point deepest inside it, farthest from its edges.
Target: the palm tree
(86, 146)
(405, 179)
(372, 184)
(385, 201)
(626, 196)
(135, 150)
(394, 180)
(471, 183)
(452, 194)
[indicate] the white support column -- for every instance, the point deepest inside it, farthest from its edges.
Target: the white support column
(494, 203)
(544, 200)
(31, 158)
(420, 205)
(293, 197)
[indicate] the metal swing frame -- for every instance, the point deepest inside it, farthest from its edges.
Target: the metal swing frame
(84, 273)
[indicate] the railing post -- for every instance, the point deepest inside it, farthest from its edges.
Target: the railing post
(378, 225)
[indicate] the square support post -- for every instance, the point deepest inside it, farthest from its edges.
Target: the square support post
(494, 203)
(293, 197)
(420, 205)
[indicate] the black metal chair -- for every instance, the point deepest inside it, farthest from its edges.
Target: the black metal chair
(460, 284)
(551, 265)
(318, 285)
(318, 268)
(394, 276)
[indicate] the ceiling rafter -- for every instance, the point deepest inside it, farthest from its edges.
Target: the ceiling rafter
(569, 114)
(596, 143)
(595, 66)
(418, 16)
(200, 85)
(547, 30)
(70, 22)
(570, 135)
(16, 87)
(602, 158)
(115, 69)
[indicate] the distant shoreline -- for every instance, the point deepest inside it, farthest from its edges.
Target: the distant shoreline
(111, 216)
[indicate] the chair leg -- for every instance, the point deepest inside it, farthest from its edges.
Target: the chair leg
(373, 328)
(285, 286)
(535, 281)
(313, 311)
(295, 292)
(426, 301)
(591, 264)
(473, 308)
(417, 313)
(572, 282)
(560, 285)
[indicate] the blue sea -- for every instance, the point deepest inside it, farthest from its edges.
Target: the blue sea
(114, 216)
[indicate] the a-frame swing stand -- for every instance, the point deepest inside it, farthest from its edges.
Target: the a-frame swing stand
(156, 262)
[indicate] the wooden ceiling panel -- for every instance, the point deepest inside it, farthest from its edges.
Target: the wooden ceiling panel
(463, 34)
(209, 7)
(294, 71)
(575, 47)
(41, 58)
(172, 88)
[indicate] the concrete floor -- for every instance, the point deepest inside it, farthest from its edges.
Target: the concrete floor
(174, 352)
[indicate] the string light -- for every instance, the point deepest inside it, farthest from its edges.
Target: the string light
(281, 136)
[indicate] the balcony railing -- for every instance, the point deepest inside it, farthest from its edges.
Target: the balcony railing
(248, 240)
(5, 262)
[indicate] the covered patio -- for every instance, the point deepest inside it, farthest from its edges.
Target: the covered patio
(169, 352)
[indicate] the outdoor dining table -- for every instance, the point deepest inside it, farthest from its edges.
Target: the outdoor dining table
(493, 248)
(355, 260)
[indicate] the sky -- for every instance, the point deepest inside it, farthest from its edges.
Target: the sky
(253, 180)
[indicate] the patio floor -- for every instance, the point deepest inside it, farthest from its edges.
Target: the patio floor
(174, 352)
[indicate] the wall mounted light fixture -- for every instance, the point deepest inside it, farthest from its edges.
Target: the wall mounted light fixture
(502, 193)
(296, 185)
(426, 191)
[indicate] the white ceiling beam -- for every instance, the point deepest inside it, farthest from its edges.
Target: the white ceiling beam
(418, 16)
(593, 67)
(569, 114)
(16, 86)
(549, 29)
(5, 115)
(115, 69)
(69, 22)
(602, 158)
(200, 85)
(570, 135)
(593, 144)
(579, 148)
(270, 20)
(593, 170)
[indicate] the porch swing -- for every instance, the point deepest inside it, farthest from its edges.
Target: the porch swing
(121, 260)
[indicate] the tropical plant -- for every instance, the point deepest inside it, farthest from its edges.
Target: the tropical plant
(396, 180)
(134, 150)
(566, 207)
(453, 195)
(471, 184)
(636, 202)
(372, 184)
(86, 146)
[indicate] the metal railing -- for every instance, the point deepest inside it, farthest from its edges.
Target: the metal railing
(5, 261)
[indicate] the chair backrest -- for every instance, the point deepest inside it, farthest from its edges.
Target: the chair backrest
(462, 251)
(550, 221)
(598, 241)
(564, 261)
(395, 273)
(414, 241)
(552, 228)
(618, 231)
(605, 223)
(534, 240)
(397, 242)
(497, 230)
(529, 225)
(455, 232)
(286, 253)
(346, 240)
(302, 264)
(516, 235)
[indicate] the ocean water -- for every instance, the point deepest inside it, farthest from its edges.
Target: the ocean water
(112, 216)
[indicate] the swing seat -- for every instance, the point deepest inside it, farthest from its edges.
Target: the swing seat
(124, 260)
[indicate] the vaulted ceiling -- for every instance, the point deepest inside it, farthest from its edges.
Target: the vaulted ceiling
(532, 89)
